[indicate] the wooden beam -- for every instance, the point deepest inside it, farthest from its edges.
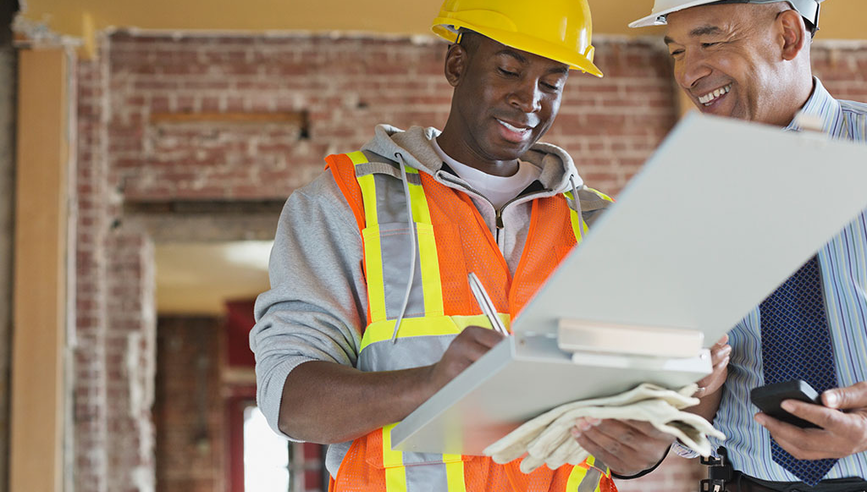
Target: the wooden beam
(36, 451)
(297, 118)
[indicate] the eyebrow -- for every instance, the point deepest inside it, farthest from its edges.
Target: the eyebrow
(564, 69)
(698, 31)
(514, 54)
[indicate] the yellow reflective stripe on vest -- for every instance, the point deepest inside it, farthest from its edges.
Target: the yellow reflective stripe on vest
(372, 246)
(455, 474)
(426, 243)
(425, 327)
(586, 477)
(368, 190)
(481, 320)
(395, 472)
(427, 250)
(579, 227)
(409, 327)
(602, 195)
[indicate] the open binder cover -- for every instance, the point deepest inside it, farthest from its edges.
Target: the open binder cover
(720, 215)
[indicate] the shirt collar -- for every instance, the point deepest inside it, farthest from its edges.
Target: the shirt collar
(820, 104)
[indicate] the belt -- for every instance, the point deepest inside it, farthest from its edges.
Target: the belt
(744, 483)
(722, 477)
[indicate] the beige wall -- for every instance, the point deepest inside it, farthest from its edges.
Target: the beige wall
(842, 19)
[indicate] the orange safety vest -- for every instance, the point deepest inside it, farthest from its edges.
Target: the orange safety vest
(453, 240)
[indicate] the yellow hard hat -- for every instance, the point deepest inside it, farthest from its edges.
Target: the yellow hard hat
(559, 30)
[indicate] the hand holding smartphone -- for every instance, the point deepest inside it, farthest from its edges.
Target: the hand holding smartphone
(769, 397)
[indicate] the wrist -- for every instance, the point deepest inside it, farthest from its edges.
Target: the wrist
(642, 472)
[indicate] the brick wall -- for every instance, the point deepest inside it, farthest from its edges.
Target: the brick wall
(345, 86)
(90, 407)
(113, 389)
(842, 67)
(341, 87)
(188, 409)
(130, 350)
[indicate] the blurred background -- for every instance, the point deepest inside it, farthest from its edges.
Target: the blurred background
(146, 150)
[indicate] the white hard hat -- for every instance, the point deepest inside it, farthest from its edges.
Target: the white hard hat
(809, 10)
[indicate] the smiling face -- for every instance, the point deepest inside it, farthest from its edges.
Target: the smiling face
(740, 60)
(504, 101)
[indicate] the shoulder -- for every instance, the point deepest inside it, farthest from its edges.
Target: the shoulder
(593, 204)
(854, 115)
(853, 107)
(319, 202)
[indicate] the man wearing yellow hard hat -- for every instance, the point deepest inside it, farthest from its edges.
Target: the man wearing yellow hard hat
(750, 60)
(370, 310)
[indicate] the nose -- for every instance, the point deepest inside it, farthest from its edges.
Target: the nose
(690, 69)
(526, 96)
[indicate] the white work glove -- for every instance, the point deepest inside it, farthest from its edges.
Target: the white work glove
(547, 438)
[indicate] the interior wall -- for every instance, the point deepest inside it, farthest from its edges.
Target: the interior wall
(220, 151)
(91, 407)
(189, 407)
(215, 147)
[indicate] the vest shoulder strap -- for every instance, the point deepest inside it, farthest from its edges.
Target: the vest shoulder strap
(593, 204)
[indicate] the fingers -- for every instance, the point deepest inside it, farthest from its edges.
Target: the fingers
(842, 434)
(475, 341)
(720, 354)
(484, 336)
(472, 343)
(626, 446)
(720, 357)
(851, 397)
(798, 442)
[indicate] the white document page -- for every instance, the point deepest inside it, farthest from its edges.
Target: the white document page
(720, 215)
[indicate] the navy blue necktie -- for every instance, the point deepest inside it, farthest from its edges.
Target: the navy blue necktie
(796, 344)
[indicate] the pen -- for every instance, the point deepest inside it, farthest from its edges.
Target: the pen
(486, 304)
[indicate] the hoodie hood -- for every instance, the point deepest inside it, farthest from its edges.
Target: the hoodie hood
(414, 148)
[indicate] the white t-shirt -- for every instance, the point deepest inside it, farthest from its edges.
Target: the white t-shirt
(497, 189)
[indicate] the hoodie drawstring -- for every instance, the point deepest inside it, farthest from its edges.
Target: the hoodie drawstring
(577, 207)
(414, 247)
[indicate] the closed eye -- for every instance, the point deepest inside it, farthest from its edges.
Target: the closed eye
(508, 73)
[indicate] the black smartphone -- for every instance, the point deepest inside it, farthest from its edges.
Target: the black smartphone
(769, 397)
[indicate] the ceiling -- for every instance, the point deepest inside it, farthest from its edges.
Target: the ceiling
(842, 19)
(197, 278)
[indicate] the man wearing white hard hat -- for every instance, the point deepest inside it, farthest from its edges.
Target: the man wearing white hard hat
(750, 59)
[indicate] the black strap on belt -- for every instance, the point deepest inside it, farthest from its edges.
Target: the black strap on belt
(719, 472)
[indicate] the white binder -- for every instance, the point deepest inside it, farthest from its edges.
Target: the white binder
(719, 216)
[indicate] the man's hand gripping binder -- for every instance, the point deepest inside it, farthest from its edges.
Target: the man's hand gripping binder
(719, 216)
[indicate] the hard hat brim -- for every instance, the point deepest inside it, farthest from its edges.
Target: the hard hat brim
(658, 18)
(519, 41)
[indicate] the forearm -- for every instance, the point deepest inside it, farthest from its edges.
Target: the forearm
(708, 406)
(327, 403)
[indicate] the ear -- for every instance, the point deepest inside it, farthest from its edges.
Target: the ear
(793, 34)
(457, 59)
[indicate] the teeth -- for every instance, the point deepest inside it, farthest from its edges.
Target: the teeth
(710, 97)
(513, 128)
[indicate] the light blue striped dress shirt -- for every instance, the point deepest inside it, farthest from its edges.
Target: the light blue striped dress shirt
(844, 273)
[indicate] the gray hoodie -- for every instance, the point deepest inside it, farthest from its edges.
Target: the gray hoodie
(316, 307)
